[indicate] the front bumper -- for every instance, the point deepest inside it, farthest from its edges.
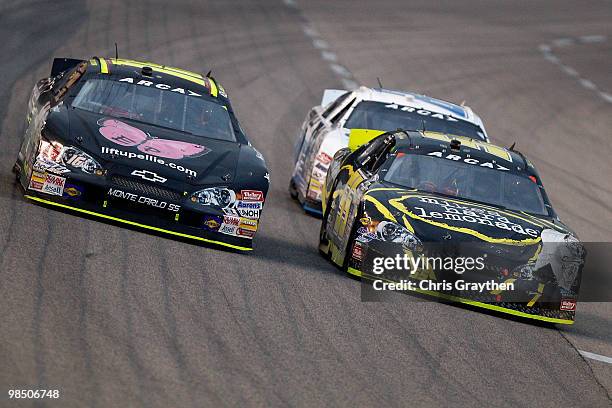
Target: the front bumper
(530, 299)
(176, 217)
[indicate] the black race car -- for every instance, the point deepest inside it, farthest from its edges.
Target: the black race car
(448, 216)
(143, 144)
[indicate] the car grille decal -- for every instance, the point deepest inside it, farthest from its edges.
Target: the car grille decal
(148, 190)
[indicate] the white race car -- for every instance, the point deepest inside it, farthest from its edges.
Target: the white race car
(353, 118)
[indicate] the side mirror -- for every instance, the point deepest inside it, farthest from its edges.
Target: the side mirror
(358, 137)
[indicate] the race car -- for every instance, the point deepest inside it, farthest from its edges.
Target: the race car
(433, 196)
(326, 129)
(146, 145)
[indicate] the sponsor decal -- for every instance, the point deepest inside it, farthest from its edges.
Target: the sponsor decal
(228, 229)
(248, 224)
(43, 165)
(315, 185)
(568, 305)
(314, 195)
(234, 226)
(37, 181)
(365, 236)
(164, 87)
(357, 252)
(212, 222)
(246, 233)
(149, 158)
(322, 169)
(152, 202)
(123, 134)
(324, 158)
(252, 205)
(54, 185)
(459, 213)
(225, 199)
(72, 191)
(230, 220)
(267, 177)
(149, 176)
(318, 176)
(422, 112)
(468, 160)
(248, 213)
(252, 195)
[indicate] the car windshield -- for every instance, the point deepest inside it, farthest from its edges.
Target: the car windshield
(150, 105)
(471, 182)
(388, 117)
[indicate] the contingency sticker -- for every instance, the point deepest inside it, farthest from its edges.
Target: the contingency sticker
(37, 181)
(54, 185)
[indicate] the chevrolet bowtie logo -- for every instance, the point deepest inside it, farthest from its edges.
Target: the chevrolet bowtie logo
(149, 176)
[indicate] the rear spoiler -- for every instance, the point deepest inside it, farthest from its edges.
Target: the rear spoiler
(330, 95)
(63, 64)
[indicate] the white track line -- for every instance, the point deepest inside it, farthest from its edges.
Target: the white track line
(547, 51)
(330, 57)
(594, 356)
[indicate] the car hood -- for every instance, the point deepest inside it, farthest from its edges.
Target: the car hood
(510, 240)
(121, 143)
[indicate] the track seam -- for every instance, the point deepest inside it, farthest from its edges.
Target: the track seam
(329, 57)
(605, 390)
(548, 54)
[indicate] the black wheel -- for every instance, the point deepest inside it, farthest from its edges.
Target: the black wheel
(16, 171)
(349, 246)
(323, 241)
(293, 190)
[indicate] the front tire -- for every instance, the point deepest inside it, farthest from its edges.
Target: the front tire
(349, 246)
(323, 240)
(293, 190)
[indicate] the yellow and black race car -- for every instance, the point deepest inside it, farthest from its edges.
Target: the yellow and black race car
(448, 216)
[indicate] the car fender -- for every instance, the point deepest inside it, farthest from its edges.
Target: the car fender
(333, 141)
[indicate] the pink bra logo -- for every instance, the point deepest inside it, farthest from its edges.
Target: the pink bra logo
(125, 135)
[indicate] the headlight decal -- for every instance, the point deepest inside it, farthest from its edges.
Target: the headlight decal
(244, 203)
(78, 159)
(391, 232)
(55, 157)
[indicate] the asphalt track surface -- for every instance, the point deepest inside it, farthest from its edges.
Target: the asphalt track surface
(116, 317)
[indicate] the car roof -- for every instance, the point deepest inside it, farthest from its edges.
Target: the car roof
(427, 142)
(419, 101)
(172, 76)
